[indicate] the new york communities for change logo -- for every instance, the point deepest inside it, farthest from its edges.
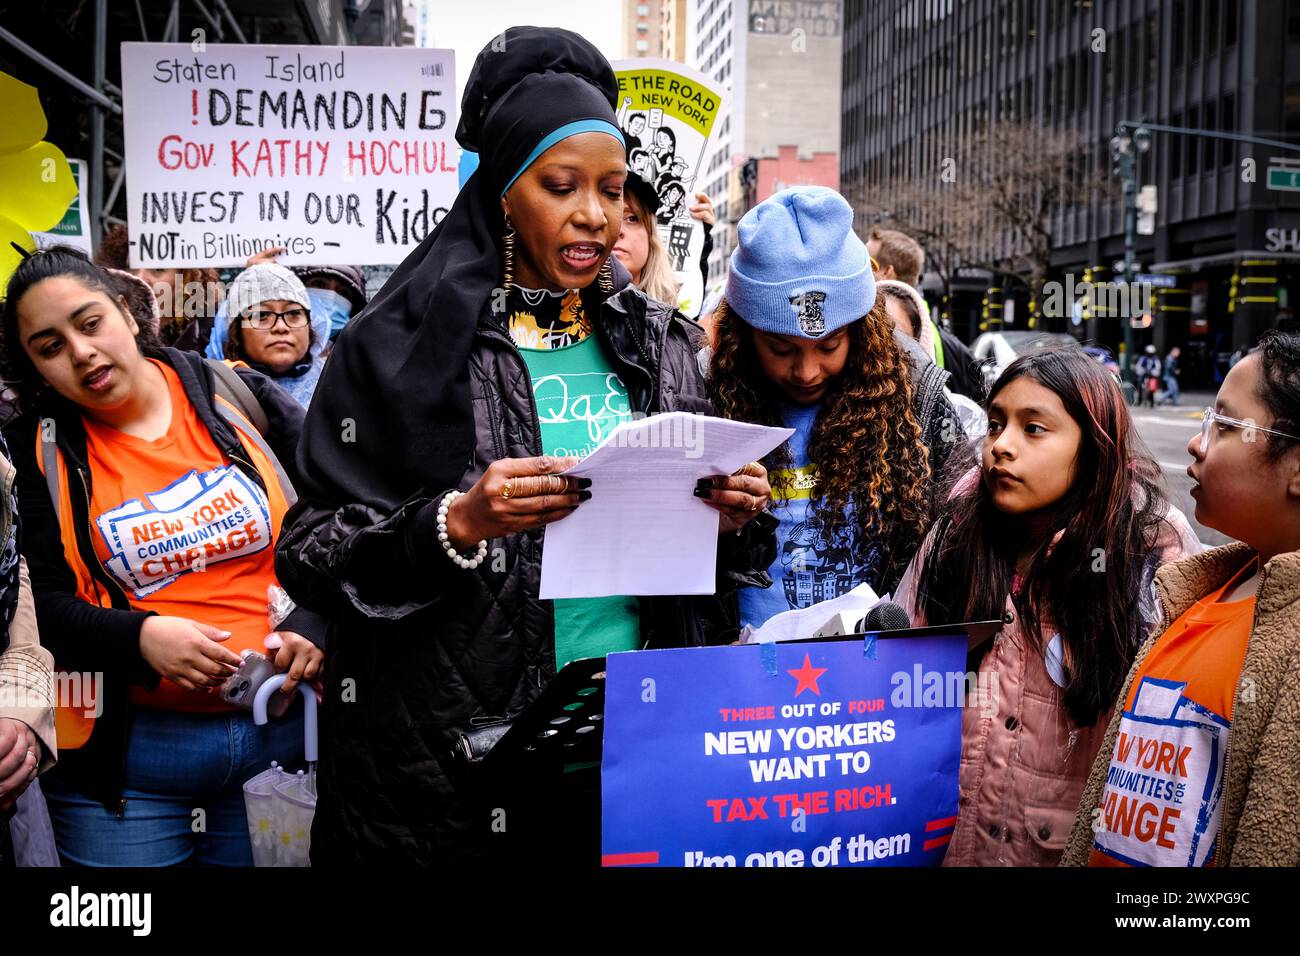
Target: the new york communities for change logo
(199, 520)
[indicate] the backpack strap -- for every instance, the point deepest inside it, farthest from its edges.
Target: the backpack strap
(227, 383)
(50, 465)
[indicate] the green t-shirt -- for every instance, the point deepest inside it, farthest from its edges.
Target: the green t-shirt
(580, 400)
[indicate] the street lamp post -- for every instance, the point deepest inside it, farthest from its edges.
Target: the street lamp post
(1124, 149)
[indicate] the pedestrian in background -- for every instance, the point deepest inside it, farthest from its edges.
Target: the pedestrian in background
(1173, 367)
(1147, 368)
(898, 256)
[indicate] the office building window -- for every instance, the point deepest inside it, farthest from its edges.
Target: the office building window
(1108, 71)
(1194, 11)
(1291, 109)
(1153, 48)
(1178, 39)
(1229, 124)
(1210, 154)
(1176, 141)
(1193, 147)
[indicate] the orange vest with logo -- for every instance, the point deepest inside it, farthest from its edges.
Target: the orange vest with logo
(74, 726)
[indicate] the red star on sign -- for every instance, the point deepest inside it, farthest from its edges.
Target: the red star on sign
(807, 677)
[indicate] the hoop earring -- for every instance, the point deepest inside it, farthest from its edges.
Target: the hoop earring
(508, 255)
(606, 278)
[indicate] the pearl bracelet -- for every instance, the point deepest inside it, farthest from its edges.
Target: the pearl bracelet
(468, 564)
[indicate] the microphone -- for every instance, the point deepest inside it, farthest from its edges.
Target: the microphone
(885, 616)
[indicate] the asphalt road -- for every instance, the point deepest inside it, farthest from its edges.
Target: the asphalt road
(1166, 431)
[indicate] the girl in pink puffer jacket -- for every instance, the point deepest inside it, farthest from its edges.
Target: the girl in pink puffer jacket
(1058, 533)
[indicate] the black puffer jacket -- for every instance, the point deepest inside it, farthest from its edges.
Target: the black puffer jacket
(422, 649)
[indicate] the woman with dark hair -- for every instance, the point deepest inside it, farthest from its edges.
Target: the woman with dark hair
(1059, 533)
(1218, 682)
(270, 325)
(800, 344)
(135, 473)
(508, 342)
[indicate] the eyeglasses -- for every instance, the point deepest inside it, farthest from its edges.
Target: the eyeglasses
(1209, 417)
(264, 319)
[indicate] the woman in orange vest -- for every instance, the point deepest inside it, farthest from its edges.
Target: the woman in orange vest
(151, 505)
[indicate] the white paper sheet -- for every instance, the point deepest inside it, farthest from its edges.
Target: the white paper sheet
(643, 532)
(803, 622)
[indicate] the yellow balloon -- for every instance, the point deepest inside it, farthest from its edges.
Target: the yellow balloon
(11, 232)
(24, 119)
(36, 186)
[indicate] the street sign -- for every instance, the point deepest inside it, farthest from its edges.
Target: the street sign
(1155, 279)
(1283, 174)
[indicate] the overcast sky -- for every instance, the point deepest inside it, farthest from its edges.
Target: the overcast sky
(469, 25)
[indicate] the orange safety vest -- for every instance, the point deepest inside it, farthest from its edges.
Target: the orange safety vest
(72, 724)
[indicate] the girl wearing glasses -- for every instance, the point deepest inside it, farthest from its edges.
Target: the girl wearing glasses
(1201, 762)
(1059, 534)
(272, 328)
(133, 476)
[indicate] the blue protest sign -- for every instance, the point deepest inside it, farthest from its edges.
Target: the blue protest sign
(797, 754)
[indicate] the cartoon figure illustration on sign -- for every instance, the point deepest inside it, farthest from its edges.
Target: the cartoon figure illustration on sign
(672, 202)
(809, 307)
(632, 132)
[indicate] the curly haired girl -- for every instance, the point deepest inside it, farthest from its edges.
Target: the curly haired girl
(854, 487)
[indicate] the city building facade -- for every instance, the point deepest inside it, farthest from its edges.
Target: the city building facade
(917, 74)
(779, 61)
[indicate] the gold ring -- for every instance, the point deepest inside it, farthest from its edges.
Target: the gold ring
(506, 490)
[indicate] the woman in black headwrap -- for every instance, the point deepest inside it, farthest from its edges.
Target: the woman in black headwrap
(467, 373)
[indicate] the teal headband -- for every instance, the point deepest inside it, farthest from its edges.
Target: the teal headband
(564, 132)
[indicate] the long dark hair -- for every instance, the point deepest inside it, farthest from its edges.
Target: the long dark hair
(16, 368)
(867, 443)
(1088, 583)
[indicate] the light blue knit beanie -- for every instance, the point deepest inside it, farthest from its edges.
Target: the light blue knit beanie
(799, 268)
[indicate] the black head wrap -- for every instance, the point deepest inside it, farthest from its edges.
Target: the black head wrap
(391, 415)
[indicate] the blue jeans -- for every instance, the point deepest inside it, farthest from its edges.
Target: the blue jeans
(1171, 390)
(176, 763)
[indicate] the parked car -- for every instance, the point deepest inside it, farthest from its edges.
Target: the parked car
(994, 351)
